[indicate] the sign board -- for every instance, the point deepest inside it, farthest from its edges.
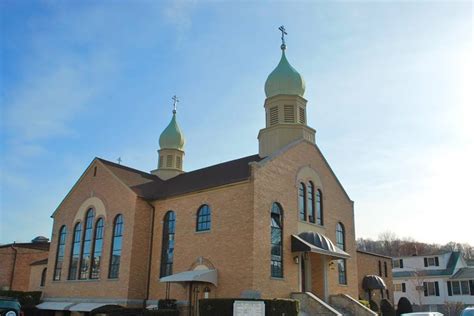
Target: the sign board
(249, 308)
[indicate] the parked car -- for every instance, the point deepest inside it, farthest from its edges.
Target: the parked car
(10, 307)
(468, 311)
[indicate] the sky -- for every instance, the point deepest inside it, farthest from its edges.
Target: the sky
(389, 86)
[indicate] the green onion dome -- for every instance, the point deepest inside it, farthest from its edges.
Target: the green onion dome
(172, 137)
(284, 79)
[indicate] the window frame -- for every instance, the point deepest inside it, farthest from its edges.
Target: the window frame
(61, 248)
(77, 231)
(166, 266)
(203, 218)
(276, 264)
(87, 244)
(302, 203)
(43, 277)
(117, 235)
(310, 204)
(97, 253)
(340, 236)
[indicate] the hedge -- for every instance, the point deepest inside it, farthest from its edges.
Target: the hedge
(225, 306)
(26, 299)
(387, 308)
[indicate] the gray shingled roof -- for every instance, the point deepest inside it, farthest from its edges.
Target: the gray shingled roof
(453, 259)
(151, 187)
(464, 273)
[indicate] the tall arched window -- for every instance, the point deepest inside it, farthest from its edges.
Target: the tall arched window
(58, 266)
(319, 207)
(203, 221)
(86, 246)
(97, 250)
(116, 252)
(341, 243)
(311, 216)
(75, 252)
(43, 277)
(276, 241)
(167, 248)
(302, 201)
(340, 236)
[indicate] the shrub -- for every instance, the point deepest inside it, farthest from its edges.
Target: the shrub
(404, 306)
(167, 304)
(365, 303)
(26, 299)
(374, 306)
(387, 308)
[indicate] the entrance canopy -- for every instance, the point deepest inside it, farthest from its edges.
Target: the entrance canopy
(55, 306)
(208, 276)
(88, 307)
(373, 282)
(317, 243)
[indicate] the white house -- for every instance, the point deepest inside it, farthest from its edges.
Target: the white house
(433, 280)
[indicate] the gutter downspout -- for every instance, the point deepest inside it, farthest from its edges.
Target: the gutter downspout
(150, 254)
(14, 264)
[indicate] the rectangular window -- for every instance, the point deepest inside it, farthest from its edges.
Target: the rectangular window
(380, 268)
(397, 263)
(341, 267)
(459, 287)
(160, 164)
(385, 268)
(399, 287)
(431, 288)
(289, 113)
(273, 115)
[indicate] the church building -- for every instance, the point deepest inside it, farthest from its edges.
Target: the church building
(277, 224)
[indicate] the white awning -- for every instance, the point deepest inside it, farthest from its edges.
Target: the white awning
(208, 276)
(87, 307)
(55, 306)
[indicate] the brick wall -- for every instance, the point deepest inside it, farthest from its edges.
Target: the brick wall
(368, 264)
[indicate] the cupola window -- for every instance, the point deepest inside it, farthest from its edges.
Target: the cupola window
(289, 113)
(273, 115)
(302, 117)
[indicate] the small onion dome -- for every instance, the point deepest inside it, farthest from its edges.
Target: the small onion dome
(172, 137)
(284, 79)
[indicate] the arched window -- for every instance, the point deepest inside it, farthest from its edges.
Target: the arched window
(86, 246)
(311, 216)
(276, 241)
(43, 277)
(97, 250)
(340, 236)
(58, 266)
(341, 243)
(319, 207)
(167, 248)
(75, 252)
(302, 201)
(203, 222)
(114, 266)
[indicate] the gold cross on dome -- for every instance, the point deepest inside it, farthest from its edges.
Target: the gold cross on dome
(175, 102)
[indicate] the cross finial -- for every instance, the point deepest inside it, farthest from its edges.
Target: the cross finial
(283, 33)
(119, 160)
(175, 102)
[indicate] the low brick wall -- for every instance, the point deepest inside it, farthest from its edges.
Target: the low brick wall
(313, 305)
(345, 302)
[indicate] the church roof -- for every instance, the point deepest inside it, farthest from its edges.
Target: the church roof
(151, 187)
(129, 176)
(201, 179)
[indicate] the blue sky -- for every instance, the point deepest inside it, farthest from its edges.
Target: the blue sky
(389, 89)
